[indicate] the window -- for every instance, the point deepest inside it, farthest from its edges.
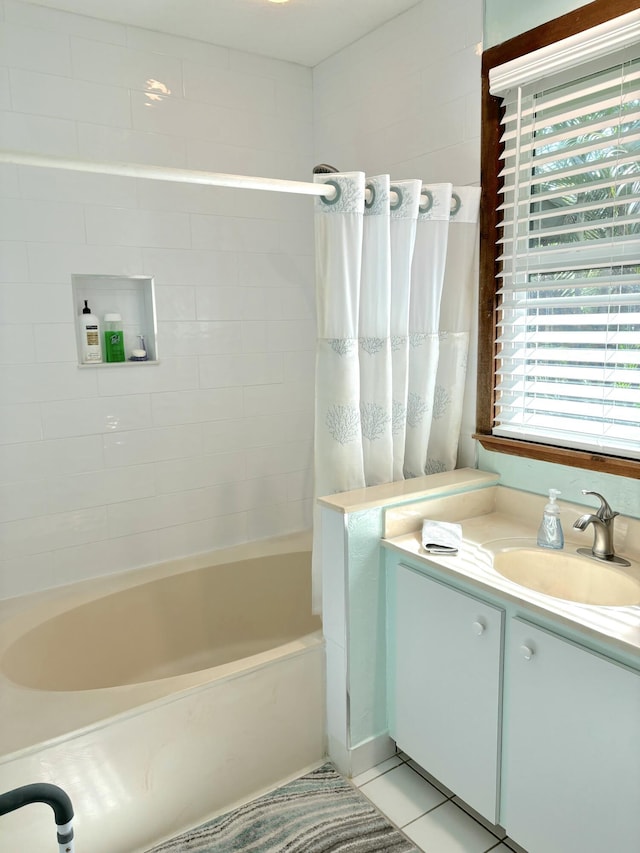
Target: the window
(560, 302)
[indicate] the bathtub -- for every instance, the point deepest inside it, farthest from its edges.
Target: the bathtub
(161, 697)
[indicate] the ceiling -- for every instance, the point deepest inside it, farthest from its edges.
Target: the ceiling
(302, 31)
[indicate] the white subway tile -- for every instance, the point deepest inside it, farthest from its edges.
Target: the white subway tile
(159, 512)
(54, 263)
(223, 371)
(181, 48)
(55, 342)
(196, 472)
(126, 67)
(56, 20)
(199, 338)
(23, 500)
(35, 49)
(203, 154)
(287, 335)
(234, 234)
(36, 460)
(5, 91)
(40, 303)
(224, 88)
(293, 99)
(272, 399)
(23, 575)
(20, 422)
(97, 488)
(172, 374)
(191, 267)
(62, 97)
(13, 264)
(9, 184)
(132, 552)
(16, 342)
(262, 491)
(299, 366)
(185, 407)
(119, 226)
(200, 536)
(175, 303)
(38, 134)
(77, 187)
(176, 116)
(300, 483)
(99, 142)
(279, 519)
(152, 445)
(219, 303)
(277, 69)
(279, 458)
(260, 303)
(33, 383)
(275, 270)
(48, 532)
(96, 416)
(226, 435)
(296, 303)
(41, 221)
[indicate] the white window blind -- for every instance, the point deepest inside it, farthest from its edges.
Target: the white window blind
(568, 342)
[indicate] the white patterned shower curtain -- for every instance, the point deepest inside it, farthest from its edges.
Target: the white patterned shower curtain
(395, 292)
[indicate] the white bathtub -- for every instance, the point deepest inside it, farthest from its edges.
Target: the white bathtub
(161, 697)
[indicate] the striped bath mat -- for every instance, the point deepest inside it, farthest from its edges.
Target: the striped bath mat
(317, 813)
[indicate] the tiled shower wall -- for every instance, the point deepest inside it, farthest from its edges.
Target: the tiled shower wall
(103, 469)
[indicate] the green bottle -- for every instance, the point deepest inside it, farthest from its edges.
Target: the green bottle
(113, 338)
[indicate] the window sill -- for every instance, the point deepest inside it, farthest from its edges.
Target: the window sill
(561, 455)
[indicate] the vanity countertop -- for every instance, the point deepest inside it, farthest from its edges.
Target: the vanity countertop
(495, 526)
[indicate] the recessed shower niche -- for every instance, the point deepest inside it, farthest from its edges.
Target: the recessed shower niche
(130, 297)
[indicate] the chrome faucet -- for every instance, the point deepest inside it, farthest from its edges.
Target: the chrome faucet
(602, 521)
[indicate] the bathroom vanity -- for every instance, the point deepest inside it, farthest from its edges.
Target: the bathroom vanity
(525, 705)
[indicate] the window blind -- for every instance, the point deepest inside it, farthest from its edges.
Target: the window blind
(568, 321)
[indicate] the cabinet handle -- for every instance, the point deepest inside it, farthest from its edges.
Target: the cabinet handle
(478, 628)
(527, 652)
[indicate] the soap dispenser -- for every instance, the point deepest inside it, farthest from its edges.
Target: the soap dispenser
(91, 350)
(550, 533)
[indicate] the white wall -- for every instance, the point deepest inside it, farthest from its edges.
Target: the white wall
(106, 469)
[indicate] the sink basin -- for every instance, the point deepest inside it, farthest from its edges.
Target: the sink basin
(568, 576)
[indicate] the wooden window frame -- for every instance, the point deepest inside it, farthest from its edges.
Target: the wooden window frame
(567, 25)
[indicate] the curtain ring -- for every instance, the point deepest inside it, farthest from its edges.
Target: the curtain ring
(336, 196)
(426, 207)
(456, 203)
(398, 202)
(369, 186)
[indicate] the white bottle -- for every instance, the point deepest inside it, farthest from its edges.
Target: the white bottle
(550, 533)
(91, 346)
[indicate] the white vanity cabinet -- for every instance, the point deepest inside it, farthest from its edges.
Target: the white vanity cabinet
(571, 748)
(445, 658)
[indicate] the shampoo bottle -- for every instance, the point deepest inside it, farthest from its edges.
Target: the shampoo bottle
(91, 350)
(113, 338)
(550, 533)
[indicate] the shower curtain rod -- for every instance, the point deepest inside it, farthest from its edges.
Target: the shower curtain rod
(163, 173)
(184, 176)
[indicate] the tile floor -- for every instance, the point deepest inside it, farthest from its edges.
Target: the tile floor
(427, 812)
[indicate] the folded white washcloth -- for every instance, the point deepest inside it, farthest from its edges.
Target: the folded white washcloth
(441, 537)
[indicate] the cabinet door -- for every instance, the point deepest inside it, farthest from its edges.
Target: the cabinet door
(571, 747)
(447, 686)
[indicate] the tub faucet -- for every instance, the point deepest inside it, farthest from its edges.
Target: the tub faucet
(602, 521)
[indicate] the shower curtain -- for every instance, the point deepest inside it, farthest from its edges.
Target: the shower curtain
(396, 270)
